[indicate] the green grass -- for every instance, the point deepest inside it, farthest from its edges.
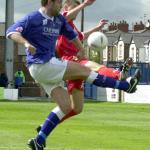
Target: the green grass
(101, 126)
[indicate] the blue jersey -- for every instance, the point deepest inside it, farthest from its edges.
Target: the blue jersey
(42, 31)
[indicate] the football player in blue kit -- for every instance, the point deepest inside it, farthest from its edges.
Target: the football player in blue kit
(38, 32)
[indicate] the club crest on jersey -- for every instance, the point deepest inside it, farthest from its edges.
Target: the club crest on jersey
(19, 29)
(45, 22)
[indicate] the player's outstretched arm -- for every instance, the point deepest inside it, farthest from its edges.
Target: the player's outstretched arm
(72, 13)
(96, 28)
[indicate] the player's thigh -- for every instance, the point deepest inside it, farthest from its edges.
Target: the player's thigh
(93, 65)
(77, 98)
(60, 96)
(62, 99)
(76, 71)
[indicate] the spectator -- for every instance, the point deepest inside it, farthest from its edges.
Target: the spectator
(3, 80)
(19, 80)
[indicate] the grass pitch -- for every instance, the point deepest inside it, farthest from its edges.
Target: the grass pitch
(101, 126)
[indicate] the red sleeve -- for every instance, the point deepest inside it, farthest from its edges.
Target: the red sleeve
(80, 34)
(64, 13)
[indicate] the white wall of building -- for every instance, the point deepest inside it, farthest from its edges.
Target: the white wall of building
(120, 51)
(105, 54)
(132, 52)
(146, 53)
(142, 54)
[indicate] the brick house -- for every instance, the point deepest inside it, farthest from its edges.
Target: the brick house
(123, 43)
(30, 88)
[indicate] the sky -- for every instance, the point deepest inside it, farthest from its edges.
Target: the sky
(114, 10)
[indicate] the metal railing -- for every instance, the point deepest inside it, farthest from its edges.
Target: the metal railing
(144, 68)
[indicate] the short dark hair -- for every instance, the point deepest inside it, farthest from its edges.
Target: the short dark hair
(44, 2)
(75, 1)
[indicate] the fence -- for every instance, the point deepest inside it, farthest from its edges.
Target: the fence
(90, 91)
(144, 68)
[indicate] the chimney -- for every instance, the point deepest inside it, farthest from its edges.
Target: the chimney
(123, 26)
(112, 27)
(139, 26)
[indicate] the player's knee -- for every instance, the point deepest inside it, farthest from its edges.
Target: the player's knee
(62, 98)
(85, 71)
(66, 110)
(78, 110)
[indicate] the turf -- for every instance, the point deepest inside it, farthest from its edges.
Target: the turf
(101, 126)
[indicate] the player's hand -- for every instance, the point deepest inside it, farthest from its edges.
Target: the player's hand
(88, 2)
(102, 23)
(31, 48)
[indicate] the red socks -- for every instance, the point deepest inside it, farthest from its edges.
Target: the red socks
(109, 72)
(70, 114)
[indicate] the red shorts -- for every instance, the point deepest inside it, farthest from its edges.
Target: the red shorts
(74, 84)
(103, 70)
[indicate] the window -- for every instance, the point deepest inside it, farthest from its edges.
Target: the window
(120, 51)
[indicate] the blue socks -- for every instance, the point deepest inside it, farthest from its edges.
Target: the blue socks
(50, 123)
(104, 81)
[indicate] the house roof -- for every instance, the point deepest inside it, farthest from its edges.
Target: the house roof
(147, 41)
(139, 31)
(139, 37)
(113, 36)
(114, 32)
(140, 40)
(112, 40)
(126, 37)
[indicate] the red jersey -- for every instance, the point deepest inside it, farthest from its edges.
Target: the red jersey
(67, 51)
(64, 47)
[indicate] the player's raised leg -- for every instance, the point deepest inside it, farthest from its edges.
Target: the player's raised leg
(76, 71)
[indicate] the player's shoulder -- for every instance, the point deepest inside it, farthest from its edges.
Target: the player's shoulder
(34, 14)
(61, 17)
(29, 17)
